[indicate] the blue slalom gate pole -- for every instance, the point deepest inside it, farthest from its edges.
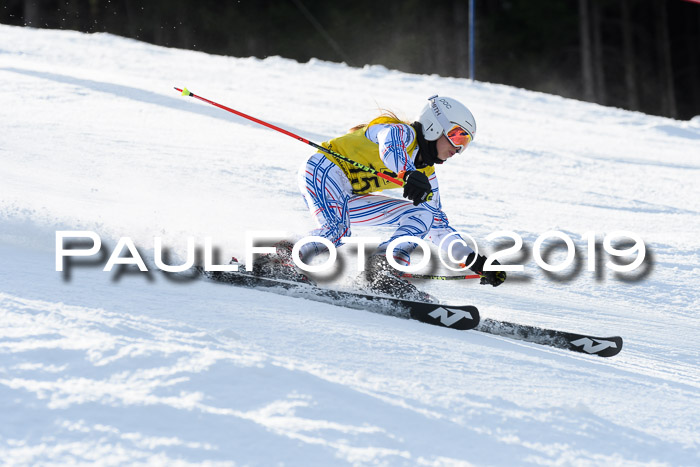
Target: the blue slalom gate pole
(471, 40)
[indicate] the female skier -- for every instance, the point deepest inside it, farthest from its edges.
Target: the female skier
(340, 196)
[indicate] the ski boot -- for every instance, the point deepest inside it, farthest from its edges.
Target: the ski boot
(280, 265)
(384, 279)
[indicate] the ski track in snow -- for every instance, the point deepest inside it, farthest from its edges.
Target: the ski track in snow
(136, 368)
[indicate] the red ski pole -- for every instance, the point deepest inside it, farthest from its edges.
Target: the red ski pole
(186, 92)
(441, 278)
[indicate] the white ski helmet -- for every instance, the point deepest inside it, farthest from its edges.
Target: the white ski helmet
(440, 114)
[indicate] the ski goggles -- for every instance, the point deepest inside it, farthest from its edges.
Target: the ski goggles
(459, 137)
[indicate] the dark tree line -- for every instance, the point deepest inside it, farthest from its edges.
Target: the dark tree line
(636, 54)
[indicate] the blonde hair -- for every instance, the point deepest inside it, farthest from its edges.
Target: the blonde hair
(385, 113)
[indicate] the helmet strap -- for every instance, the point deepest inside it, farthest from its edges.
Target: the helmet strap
(427, 150)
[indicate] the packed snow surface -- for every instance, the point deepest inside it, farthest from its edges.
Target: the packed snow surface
(138, 368)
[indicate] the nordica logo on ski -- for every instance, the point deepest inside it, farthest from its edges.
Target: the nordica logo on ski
(593, 345)
(449, 316)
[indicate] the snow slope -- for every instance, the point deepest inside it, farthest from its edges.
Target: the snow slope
(136, 368)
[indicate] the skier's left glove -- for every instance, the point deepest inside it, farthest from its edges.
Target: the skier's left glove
(494, 278)
(417, 187)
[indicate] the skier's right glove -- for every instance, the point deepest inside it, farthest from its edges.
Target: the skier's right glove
(416, 187)
(494, 278)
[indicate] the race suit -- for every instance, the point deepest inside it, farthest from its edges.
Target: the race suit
(340, 195)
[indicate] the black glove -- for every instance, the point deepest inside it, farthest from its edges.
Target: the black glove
(417, 187)
(494, 278)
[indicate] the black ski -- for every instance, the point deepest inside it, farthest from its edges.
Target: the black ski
(461, 317)
(600, 346)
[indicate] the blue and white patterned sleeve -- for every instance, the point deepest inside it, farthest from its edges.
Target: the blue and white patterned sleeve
(393, 139)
